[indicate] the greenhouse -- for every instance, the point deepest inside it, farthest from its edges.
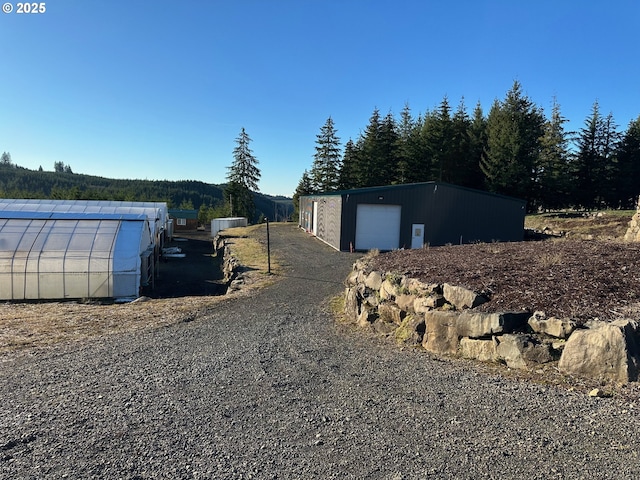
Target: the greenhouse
(156, 212)
(58, 255)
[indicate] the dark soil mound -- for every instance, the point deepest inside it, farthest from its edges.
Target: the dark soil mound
(581, 280)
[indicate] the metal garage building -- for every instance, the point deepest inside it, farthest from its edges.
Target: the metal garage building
(53, 255)
(410, 216)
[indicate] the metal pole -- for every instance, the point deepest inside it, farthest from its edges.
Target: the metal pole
(268, 248)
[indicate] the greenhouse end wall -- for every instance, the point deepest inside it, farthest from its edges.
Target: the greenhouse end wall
(64, 256)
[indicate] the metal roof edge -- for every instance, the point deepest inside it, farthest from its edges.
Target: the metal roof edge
(24, 214)
(409, 185)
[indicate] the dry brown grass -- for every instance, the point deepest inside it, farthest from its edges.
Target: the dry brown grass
(604, 225)
(248, 249)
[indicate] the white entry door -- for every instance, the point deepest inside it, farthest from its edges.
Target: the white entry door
(417, 235)
(378, 226)
(314, 220)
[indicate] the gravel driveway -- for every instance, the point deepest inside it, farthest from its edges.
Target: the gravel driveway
(270, 387)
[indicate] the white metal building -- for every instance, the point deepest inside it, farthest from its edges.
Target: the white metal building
(60, 255)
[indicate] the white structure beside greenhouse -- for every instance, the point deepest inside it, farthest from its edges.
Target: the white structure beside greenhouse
(51, 255)
(218, 224)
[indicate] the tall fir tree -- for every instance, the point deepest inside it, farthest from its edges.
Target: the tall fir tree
(387, 153)
(325, 172)
(405, 128)
(629, 166)
(349, 167)
(465, 171)
(369, 164)
(593, 164)
(514, 128)
(5, 159)
(438, 136)
(411, 160)
(610, 140)
(552, 177)
(477, 146)
(305, 187)
(243, 176)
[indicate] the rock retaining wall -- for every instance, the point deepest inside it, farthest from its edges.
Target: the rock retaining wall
(231, 267)
(442, 319)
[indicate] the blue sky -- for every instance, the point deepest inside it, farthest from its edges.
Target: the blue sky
(157, 89)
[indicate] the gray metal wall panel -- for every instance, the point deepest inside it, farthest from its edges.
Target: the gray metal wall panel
(329, 213)
(459, 215)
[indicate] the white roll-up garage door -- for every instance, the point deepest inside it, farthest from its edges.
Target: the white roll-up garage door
(378, 226)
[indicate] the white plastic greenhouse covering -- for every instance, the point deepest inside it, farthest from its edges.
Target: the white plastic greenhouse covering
(156, 212)
(70, 255)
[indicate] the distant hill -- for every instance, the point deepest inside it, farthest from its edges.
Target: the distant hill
(19, 182)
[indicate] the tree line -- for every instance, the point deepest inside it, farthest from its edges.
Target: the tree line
(515, 150)
(211, 201)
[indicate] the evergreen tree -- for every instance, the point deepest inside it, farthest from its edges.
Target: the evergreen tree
(348, 170)
(593, 165)
(439, 136)
(610, 141)
(405, 129)
(514, 128)
(5, 159)
(552, 172)
(629, 166)
(387, 151)
(325, 172)
(305, 187)
(464, 170)
(58, 167)
(369, 165)
(477, 146)
(411, 165)
(243, 177)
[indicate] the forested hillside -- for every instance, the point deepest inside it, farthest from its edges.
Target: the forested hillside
(19, 182)
(516, 149)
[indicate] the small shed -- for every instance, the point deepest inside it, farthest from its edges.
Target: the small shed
(218, 224)
(53, 255)
(184, 219)
(411, 216)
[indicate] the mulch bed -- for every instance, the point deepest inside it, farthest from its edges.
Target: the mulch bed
(575, 279)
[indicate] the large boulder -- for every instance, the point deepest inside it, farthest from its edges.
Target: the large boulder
(608, 351)
(461, 297)
(554, 327)
(441, 335)
(519, 350)
(411, 330)
(388, 312)
(478, 324)
(633, 232)
(373, 280)
(425, 304)
(483, 350)
(351, 304)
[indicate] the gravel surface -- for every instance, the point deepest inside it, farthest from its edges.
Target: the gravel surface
(269, 386)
